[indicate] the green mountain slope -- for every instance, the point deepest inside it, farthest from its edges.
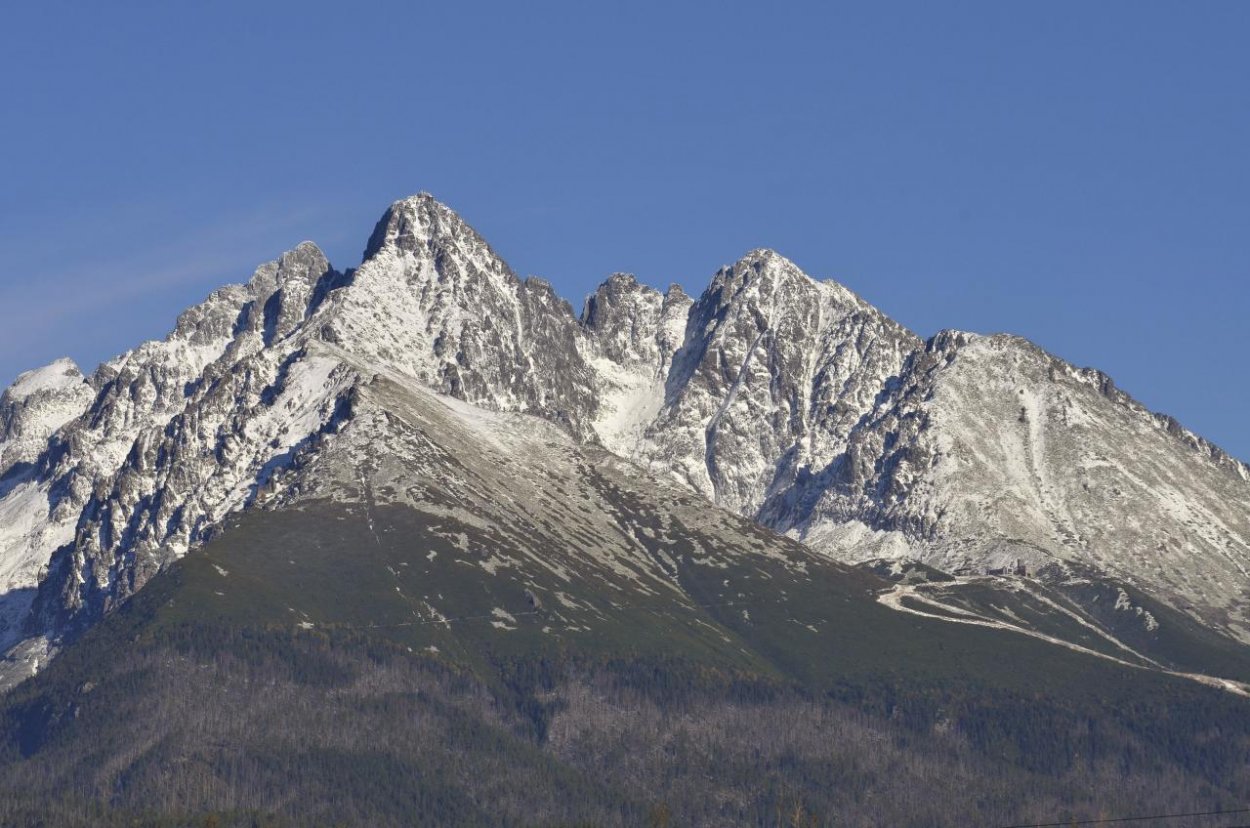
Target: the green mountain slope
(210, 693)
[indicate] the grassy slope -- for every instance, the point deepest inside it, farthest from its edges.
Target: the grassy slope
(208, 692)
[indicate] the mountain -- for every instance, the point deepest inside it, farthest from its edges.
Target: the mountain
(420, 520)
(784, 399)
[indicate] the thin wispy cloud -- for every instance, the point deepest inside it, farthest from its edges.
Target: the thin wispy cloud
(48, 303)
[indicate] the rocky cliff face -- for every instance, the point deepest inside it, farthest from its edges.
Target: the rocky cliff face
(784, 399)
(774, 371)
(987, 452)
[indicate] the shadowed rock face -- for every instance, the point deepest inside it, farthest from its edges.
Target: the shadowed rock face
(781, 398)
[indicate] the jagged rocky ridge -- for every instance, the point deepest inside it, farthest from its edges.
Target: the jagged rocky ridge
(779, 397)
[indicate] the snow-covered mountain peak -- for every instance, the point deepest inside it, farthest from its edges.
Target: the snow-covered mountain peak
(775, 368)
(676, 292)
(435, 301)
(949, 339)
(35, 406)
(762, 257)
(759, 264)
(620, 284)
(620, 294)
(305, 263)
(421, 223)
(763, 281)
(280, 295)
(422, 248)
(56, 375)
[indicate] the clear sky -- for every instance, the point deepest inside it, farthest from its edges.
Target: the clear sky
(1078, 173)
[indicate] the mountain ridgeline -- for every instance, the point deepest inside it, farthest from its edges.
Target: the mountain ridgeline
(428, 472)
(787, 400)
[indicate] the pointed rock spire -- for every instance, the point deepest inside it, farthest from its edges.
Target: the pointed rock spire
(420, 223)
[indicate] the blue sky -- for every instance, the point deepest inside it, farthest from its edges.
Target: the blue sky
(1078, 173)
